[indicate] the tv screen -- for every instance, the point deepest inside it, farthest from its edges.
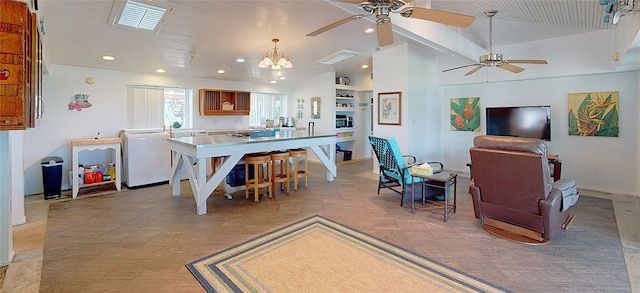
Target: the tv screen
(529, 122)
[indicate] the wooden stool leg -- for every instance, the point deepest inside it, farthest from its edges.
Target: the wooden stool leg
(247, 184)
(286, 169)
(257, 171)
(295, 173)
(306, 174)
(269, 176)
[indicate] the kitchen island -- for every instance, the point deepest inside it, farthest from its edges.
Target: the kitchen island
(190, 155)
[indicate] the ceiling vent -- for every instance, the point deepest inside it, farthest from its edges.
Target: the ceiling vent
(141, 14)
(338, 56)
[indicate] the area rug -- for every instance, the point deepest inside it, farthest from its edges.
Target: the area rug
(320, 255)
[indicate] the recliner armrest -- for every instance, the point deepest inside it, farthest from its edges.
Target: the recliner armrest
(475, 197)
(552, 214)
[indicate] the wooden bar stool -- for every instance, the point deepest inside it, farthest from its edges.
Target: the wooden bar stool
(279, 175)
(258, 180)
(296, 154)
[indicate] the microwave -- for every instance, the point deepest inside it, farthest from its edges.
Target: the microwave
(341, 121)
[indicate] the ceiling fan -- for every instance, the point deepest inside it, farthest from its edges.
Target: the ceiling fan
(495, 60)
(382, 8)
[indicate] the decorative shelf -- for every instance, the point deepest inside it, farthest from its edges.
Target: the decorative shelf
(215, 102)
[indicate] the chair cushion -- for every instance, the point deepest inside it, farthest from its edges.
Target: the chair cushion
(511, 144)
(569, 191)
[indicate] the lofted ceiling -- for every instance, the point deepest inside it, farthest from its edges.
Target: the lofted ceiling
(216, 33)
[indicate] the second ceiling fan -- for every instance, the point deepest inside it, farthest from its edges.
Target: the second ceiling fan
(382, 8)
(495, 60)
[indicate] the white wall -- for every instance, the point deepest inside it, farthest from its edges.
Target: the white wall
(319, 86)
(608, 164)
(108, 113)
(410, 70)
(424, 106)
(16, 175)
(391, 74)
(6, 241)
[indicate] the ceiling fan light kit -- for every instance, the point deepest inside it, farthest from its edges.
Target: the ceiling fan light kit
(496, 60)
(382, 8)
(275, 59)
(618, 8)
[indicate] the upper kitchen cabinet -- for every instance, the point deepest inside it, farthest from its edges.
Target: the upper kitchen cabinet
(20, 67)
(224, 102)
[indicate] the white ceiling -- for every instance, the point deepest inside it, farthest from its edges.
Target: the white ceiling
(78, 34)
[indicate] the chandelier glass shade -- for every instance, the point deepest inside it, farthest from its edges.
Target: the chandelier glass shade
(275, 59)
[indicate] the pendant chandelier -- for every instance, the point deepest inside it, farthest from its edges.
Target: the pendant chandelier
(274, 59)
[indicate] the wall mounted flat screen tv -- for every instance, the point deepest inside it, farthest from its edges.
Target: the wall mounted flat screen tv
(528, 121)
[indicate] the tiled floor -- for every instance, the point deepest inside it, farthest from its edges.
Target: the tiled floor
(139, 240)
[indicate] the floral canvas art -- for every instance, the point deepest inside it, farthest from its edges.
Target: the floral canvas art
(593, 114)
(465, 114)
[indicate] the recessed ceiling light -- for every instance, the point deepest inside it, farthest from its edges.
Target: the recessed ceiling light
(369, 30)
(365, 66)
(240, 60)
(282, 78)
(273, 81)
(220, 71)
(108, 58)
(160, 70)
(279, 73)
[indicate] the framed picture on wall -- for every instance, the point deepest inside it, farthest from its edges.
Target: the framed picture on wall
(315, 108)
(389, 108)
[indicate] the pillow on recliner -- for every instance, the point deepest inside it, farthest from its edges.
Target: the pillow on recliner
(569, 191)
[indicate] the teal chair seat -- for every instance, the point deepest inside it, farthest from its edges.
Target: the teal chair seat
(394, 168)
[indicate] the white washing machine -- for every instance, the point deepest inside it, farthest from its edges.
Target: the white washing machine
(146, 157)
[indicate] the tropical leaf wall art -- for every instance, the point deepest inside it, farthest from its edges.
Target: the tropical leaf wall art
(593, 114)
(465, 114)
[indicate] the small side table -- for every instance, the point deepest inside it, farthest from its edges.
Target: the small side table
(90, 144)
(442, 180)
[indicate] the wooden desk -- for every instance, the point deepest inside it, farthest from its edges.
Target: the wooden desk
(90, 144)
(188, 152)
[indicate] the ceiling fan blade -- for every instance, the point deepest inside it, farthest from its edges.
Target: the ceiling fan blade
(385, 34)
(335, 24)
(474, 70)
(448, 18)
(528, 61)
(512, 68)
(460, 67)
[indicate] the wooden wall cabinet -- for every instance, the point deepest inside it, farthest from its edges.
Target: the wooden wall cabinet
(224, 102)
(20, 67)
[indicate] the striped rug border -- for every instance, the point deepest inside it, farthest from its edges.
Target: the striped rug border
(205, 269)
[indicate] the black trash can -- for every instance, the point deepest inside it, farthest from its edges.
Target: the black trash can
(52, 177)
(347, 155)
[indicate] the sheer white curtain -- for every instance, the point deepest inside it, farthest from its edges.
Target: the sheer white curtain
(266, 106)
(145, 107)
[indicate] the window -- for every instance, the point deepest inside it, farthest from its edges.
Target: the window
(155, 107)
(266, 106)
(176, 107)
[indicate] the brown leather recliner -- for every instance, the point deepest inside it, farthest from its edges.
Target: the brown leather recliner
(513, 191)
